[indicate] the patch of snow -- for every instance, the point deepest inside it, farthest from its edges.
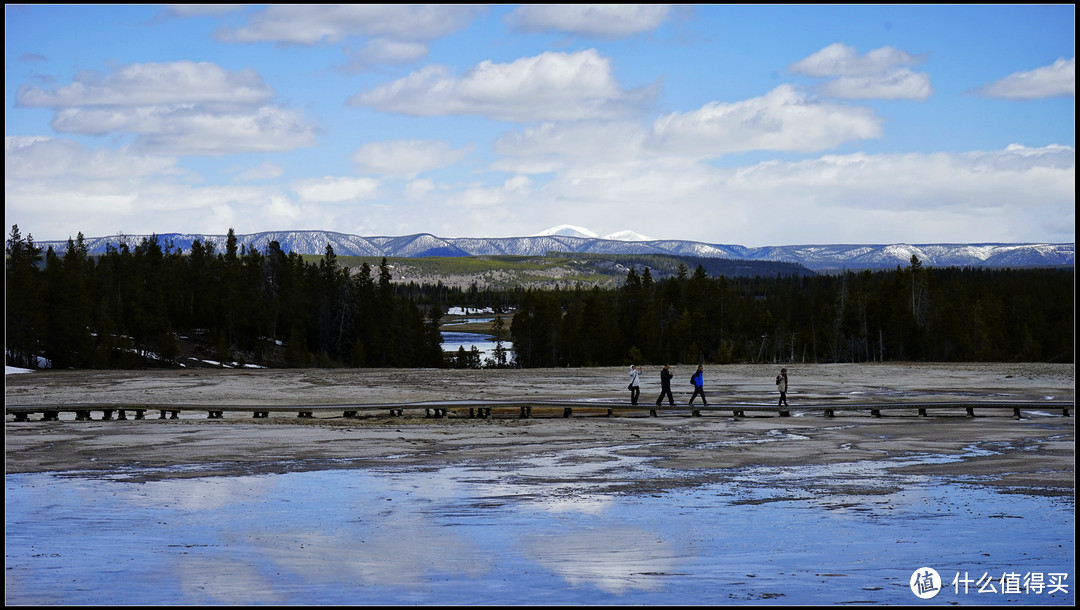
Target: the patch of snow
(627, 235)
(567, 231)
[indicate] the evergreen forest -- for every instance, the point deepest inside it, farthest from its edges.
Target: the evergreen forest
(135, 307)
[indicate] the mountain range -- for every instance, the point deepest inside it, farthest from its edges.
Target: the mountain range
(570, 239)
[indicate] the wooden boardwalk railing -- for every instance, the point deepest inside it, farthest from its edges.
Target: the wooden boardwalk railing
(524, 409)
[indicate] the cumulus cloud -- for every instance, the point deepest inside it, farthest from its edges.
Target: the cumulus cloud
(547, 87)
(406, 157)
(177, 108)
(29, 158)
(1001, 195)
(57, 188)
(1057, 79)
(598, 20)
(880, 74)
(181, 82)
(304, 24)
(1015, 176)
(558, 147)
(901, 84)
(385, 51)
(781, 120)
(335, 189)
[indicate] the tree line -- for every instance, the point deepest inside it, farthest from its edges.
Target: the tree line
(251, 307)
(906, 314)
(276, 309)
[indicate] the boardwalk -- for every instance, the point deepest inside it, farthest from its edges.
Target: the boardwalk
(527, 408)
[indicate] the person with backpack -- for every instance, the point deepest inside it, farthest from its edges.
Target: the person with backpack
(698, 381)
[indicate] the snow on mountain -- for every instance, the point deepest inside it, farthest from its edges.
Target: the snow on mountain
(627, 235)
(817, 257)
(567, 231)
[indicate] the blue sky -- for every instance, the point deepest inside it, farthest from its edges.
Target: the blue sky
(751, 125)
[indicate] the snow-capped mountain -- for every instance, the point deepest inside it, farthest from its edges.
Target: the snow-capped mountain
(626, 235)
(576, 231)
(815, 257)
(567, 231)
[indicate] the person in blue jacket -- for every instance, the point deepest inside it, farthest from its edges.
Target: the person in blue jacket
(698, 381)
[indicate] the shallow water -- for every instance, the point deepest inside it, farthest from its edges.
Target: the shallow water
(452, 340)
(571, 527)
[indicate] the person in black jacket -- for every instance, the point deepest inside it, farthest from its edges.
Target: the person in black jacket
(665, 386)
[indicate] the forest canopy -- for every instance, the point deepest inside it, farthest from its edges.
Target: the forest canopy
(270, 308)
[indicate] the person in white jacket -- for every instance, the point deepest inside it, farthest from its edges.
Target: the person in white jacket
(634, 387)
(781, 384)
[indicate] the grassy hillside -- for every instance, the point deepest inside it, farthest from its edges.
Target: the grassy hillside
(559, 269)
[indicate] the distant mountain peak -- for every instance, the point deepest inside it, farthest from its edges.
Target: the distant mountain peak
(627, 235)
(569, 238)
(568, 231)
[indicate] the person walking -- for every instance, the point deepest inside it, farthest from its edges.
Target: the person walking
(781, 384)
(634, 387)
(665, 386)
(698, 381)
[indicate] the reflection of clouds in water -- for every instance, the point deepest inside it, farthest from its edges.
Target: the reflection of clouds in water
(208, 493)
(220, 581)
(435, 486)
(614, 559)
(571, 481)
(399, 549)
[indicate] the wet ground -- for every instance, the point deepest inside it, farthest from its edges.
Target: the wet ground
(589, 510)
(568, 527)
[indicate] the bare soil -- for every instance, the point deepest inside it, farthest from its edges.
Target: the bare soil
(1035, 454)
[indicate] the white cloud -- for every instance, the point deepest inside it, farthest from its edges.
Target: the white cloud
(385, 51)
(406, 157)
(839, 59)
(264, 171)
(332, 189)
(599, 20)
(556, 144)
(880, 74)
(58, 188)
(40, 158)
(149, 84)
(781, 120)
(902, 84)
(1054, 80)
(546, 87)
(315, 24)
(55, 188)
(183, 130)
(1005, 195)
(179, 108)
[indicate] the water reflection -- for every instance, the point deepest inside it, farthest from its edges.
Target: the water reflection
(614, 559)
(452, 341)
(560, 528)
(485, 344)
